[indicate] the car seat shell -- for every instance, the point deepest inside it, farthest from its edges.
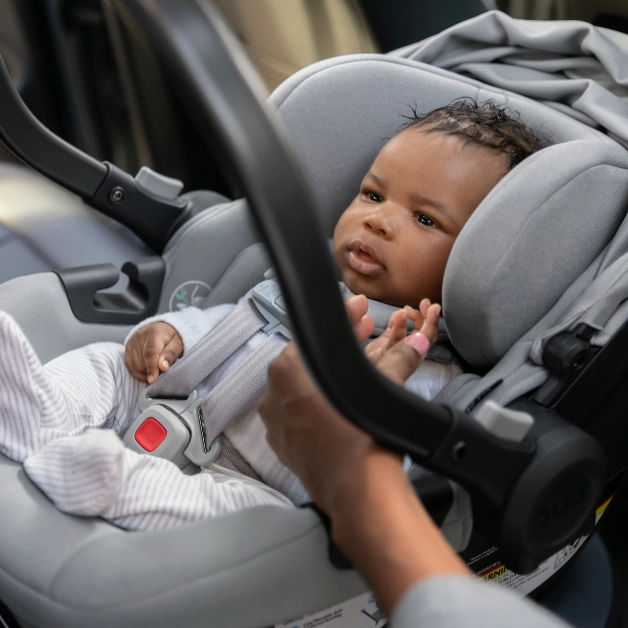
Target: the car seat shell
(43, 226)
(82, 582)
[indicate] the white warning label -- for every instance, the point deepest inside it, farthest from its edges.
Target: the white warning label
(361, 611)
(496, 573)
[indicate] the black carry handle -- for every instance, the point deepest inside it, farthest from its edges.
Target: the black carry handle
(104, 186)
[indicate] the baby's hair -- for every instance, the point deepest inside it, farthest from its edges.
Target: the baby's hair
(486, 124)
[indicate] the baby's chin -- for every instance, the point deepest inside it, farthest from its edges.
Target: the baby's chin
(374, 291)
(366, 286)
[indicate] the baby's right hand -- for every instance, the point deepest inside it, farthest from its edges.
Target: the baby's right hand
(152, 349)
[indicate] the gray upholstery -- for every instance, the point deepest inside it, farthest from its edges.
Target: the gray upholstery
(42, 226)
(225, 231)
(261, 566)
(572, 66)
(67, 572)
(366, 96)
(39, 303)
(530, 238)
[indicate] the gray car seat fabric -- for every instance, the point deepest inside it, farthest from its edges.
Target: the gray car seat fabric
(89, 573)
(40, 304)
(574, 67)
(508, 268)
(335, 159)
(366, 97)
(62, 571)
(43, 226)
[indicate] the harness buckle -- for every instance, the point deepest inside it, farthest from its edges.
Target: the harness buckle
(267, 298)
(172, 429)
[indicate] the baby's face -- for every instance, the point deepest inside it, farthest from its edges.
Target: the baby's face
(393, 241)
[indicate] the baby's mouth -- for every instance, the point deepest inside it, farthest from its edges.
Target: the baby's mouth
(363, 260)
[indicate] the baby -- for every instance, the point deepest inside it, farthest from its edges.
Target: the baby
(391, 245)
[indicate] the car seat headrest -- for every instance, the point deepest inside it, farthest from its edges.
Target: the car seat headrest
(338, 114)
(528, 241)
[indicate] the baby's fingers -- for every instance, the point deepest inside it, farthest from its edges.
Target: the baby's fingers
(395, 332)
(151, 354)
(362, 324)
(171, 352)
(430, 323)
(397, 326)
(400, 361)
(134, 361)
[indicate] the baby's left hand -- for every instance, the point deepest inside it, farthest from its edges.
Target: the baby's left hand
(389, 343)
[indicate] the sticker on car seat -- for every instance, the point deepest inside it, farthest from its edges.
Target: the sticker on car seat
(361, 611)
(189, 293)
(489, 568)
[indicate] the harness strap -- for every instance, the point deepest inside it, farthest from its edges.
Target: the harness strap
(232, 459)
(237, 394)
(209, 353)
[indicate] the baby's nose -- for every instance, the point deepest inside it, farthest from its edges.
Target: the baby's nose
(380, 223)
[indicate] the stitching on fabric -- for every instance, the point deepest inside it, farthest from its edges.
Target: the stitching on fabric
(518, 385)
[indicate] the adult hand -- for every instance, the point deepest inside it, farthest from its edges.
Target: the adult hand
(377, 521)
(298, 418)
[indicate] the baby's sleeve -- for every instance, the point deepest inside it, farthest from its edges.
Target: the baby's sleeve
(191, 323)
(430, 377)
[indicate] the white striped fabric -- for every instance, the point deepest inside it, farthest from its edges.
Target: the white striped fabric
(48, 416)
(95, 475)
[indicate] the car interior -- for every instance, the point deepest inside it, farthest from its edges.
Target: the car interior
(137, 137)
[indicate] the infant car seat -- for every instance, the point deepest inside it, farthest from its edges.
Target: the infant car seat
(264, 566)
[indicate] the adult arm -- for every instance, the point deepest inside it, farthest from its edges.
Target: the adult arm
(377, 521)
(448, 601)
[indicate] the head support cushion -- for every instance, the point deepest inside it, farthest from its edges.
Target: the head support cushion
(530, 238)
(340, 112)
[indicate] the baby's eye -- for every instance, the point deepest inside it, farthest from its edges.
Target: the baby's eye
(425, 220)
(373, 196)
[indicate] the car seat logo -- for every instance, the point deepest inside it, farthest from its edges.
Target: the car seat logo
(190, 293)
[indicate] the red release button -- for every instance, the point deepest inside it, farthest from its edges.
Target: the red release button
(150, 434)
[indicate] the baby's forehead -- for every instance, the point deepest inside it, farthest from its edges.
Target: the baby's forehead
(430, 144)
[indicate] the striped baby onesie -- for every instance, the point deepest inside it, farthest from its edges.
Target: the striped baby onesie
(61, 421)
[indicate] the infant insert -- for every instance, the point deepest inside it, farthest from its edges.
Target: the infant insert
(528, 261)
